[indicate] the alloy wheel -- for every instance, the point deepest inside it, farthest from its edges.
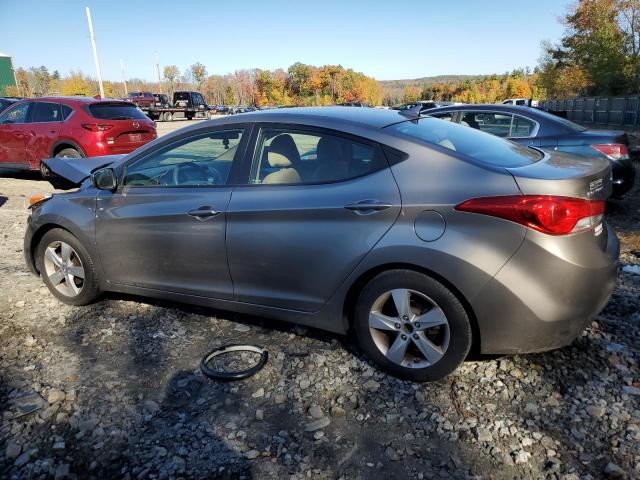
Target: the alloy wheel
(409, 328)
(63, 268)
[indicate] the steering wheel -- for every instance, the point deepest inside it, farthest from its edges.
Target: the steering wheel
(190, 173)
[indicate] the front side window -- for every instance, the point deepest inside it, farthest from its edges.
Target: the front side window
(289, 156)
(47, 112)
(201, 161)
(17, 114)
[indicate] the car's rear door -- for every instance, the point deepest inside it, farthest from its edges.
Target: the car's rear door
(164, 228)
(314, 204)
(46, 121)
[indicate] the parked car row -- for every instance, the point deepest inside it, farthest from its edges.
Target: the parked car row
(420, 237)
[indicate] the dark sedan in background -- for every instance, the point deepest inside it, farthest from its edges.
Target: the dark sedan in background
(537, 128)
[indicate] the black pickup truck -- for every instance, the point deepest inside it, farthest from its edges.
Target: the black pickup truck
(186, 104)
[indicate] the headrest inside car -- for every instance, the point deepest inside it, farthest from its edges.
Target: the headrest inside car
(277, 160)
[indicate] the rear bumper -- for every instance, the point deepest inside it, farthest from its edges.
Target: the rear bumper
(624, 176)
(547, 293)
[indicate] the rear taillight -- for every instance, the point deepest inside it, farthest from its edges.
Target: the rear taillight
(615, 151)
(548, 214)
(96, 127)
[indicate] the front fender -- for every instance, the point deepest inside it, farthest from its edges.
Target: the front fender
(74, 212)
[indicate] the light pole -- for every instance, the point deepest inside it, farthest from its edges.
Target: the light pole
(95, 52)
(158, 73)
(123, 80)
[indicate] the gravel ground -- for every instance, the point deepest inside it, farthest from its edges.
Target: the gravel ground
(113, 390)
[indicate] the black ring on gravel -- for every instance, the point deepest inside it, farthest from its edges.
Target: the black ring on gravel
(239, 375)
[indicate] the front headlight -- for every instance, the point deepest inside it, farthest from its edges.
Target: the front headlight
(37, 200)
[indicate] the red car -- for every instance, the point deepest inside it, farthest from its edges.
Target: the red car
(34, 129)
(142, 99)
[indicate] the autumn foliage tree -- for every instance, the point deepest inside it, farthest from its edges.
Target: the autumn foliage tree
(599, 52)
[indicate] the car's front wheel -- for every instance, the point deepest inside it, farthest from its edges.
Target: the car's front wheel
(412, 326)
(67, 268)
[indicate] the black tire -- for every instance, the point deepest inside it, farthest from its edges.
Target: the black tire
(460, 334)
(189, 117)
(68, 153)
(89, 291)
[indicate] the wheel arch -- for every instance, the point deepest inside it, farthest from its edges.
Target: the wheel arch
(64, 143)
(356, 287)
(35, 241)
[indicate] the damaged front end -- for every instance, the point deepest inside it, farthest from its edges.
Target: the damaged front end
(69, 173)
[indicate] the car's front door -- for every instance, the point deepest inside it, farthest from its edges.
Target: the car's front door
(14, 135)
(315, 203)
(164, 227)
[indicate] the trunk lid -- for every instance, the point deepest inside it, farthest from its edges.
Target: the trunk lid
(68, 173)
(566, 175)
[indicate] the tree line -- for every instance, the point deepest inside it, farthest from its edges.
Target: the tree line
(300, 84)
(599, 53)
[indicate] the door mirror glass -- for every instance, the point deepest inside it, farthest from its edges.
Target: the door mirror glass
(104, 179)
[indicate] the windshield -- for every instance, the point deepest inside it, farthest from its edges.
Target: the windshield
(115, 111)
(480, 146)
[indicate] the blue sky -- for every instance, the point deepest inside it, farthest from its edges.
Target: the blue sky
(387, 39)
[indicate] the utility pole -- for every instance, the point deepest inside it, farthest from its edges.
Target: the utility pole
(158, 73)
(124, 82)
(95, 52)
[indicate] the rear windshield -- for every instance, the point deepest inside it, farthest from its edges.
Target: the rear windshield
(480, 146)
(573, 127)
(110, 111)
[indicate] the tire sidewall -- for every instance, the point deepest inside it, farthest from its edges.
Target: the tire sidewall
(459, 326)
(75, 154)
(90, 289)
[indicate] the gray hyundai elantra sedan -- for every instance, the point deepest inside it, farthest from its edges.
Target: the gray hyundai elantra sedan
(422, 238)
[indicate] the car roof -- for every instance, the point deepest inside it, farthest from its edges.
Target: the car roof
(368, 117)
(487, 106)
(75, 100)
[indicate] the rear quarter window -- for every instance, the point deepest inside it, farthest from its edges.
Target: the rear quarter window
(479, 146)
(106, 111)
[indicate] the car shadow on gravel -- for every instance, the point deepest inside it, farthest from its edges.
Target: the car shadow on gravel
(3, 200)
(138, 373)
(21, 174)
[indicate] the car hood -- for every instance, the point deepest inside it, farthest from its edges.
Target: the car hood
(67, 173)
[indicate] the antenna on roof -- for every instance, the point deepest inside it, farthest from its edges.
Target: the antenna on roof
(412, 113)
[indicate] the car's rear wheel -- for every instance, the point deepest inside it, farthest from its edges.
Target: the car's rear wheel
(68, 153)
(412, 326)
(67, 268)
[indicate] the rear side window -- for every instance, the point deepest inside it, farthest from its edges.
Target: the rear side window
(479, 146)
(291, 156)
(66, 111)
(110, 111)
(47, 112)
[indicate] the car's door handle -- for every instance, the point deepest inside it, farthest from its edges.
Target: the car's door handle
(202, 213)
(365, 207)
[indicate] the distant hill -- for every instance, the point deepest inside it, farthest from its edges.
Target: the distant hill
(395, 88)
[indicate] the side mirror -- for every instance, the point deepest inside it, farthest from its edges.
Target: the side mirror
(104, 179)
